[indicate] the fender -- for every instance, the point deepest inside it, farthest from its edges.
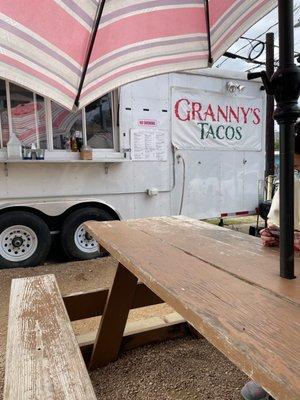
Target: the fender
(56, 207)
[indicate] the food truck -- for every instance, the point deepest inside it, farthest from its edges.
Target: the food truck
(189, 143)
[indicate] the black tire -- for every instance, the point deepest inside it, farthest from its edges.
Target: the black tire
(41, 247)
(70, 225)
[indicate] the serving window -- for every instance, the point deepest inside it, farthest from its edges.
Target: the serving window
(99, 123)
(46, 125)
(28, 117)
(65, 124)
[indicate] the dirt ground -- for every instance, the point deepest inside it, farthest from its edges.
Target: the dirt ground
(180, 369)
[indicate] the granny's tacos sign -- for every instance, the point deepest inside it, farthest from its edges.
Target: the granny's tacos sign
(207, 120)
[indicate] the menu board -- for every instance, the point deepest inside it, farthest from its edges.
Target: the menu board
(148, 145)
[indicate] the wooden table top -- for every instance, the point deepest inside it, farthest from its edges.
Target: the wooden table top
(222, 282)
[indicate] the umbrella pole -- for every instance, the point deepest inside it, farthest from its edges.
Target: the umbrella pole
(286, 82)
(286, 201)
(285, 86)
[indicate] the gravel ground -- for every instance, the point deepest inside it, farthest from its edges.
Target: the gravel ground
(180, 369)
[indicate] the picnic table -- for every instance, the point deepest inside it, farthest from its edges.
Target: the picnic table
(224, 283)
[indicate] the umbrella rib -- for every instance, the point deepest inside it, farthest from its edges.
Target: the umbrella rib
(92, 38)
(207, 18)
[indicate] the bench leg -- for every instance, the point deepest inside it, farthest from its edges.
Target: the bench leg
(113, 321)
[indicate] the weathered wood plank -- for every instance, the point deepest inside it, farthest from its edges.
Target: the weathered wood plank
(91, 304)
(113, 321)
(234, 252)
(254, 328)
(85, 304)
(140, 333)
(43, 360)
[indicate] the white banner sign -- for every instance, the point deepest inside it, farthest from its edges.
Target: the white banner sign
(207, 120)
(148, 145)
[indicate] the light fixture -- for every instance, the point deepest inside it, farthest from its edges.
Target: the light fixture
(297, 24)
(233, 87)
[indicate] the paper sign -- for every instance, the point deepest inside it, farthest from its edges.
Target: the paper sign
(149, 123)
(148, 144)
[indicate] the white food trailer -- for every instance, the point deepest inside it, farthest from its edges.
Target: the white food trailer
(180, 143)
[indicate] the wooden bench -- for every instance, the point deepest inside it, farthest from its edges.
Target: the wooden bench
(222, 282)
(43, 359)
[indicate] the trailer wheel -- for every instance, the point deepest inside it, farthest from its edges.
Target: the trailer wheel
(24, 240)
(76, 242)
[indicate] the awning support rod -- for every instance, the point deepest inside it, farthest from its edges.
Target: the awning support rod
(207, 19)
(90, 48)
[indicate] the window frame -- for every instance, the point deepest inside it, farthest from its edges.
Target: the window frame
(1, 136)
(114, 99)
(3, 151)
(2, 147)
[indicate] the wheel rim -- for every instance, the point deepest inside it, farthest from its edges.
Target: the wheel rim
(18, 243)
(84, 241)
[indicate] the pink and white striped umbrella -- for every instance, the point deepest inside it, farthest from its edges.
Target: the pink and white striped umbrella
(79, 50)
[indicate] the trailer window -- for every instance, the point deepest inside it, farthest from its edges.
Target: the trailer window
(65, 125)
(4, 132)
(49, 126)
(99, 124)
(28, 117)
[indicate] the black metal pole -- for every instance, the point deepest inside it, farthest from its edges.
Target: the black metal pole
(270, 107)
(287, 200)
(286, 86)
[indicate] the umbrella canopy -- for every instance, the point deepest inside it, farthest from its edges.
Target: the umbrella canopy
(71, 50)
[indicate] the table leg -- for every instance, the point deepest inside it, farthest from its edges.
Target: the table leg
(113, 321)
